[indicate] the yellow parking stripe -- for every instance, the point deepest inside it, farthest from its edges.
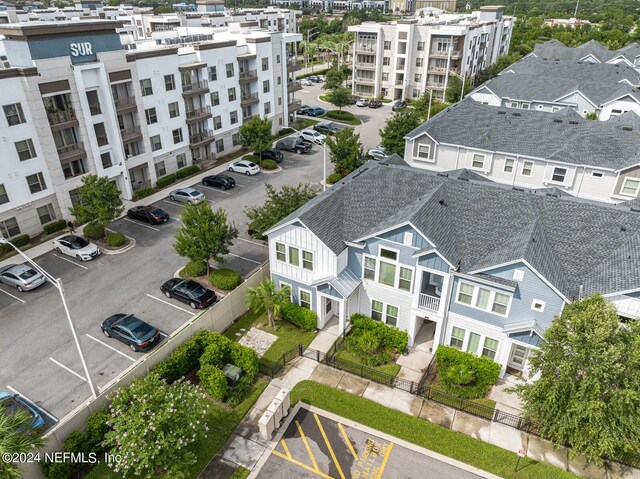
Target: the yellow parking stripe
(346, 439)
(284, 446)
(384, 461)
(304, 466)
(335, 460)
(306, 444)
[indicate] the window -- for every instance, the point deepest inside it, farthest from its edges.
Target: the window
(559, 174)
(217, 122)
(404, 281)
(385, 76)
(482, 298)
(387, 45)
(46, 213)
(420, 46)
(630, 187)
(474, 342)
(4, 197)
(265, 86)
(478, 161)
(527, 166)
(386, 61)
(508, 165)
(514, 104)
(525, 106)
(232, 94)
(181, 160)
(369, 268)
(457, 337)
(419, 62)
(538, 305)
(151, 116)
(233, 117)
(597, 174)
(294, 256)
(281, 254)
(389, 254)
(220, 145)
(14, 114)
(424, 151)
(518, 275)
(279, 81)
(215, 98)
(500, 304)
(387, 274)
(174, 110)
(376, 310)
(265, 64)
(305, 298)
(392, 315)
(106, 160)
(25, 149)
(169, 82)
(277, 58)
(235, 139)
(9, 228)
(465, 293)
(177, 136)
(73, 168)
(490, 348)
(156, 143)
(160, 169)
(408, 238)
(229, 68)
(145, 86)
(307, 260)
(36, 183)
(417, 77)
(213, 74)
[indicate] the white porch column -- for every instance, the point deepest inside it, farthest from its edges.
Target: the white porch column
(320, 311)
(436, 337)
(342, 318)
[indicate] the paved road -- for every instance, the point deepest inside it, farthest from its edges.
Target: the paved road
(38, 357)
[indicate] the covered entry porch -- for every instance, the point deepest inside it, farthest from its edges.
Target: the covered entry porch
(337, 297)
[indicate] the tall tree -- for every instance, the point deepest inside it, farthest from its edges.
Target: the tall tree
(454, 88)
(99, 201)
(340, 97)
(266, 297)
(335, 77)
(255, 134)
(427, 107)
(16, 436)
(204, 235)
(347, 153)
(277, 206)
(398, 126)
(587, 394)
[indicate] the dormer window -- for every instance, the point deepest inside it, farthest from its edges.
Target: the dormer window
(559, 175)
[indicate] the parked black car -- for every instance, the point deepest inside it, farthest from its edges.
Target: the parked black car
(149, 214)
(190, 292)
(132, 331)
(293, 143)
(315, 79)
(398, 104)
(219, 181)
(270, 154)
(327, 128)
(375, 104)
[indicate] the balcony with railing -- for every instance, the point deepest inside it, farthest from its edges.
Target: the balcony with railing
(366, 81)
(125, 104)
(428, 302)
(365, 47)
(366, 65)
(73, 150)
(130, 134)
(201, 138)
(293, 86)
(249, 99)
(248, 76)
(247, 117)
(436, 70)
(445, 54)
(62, 118)
(435, 85)
(430, 291)
(196, 88)
(199, 114)
(294, 105)
(293, 66)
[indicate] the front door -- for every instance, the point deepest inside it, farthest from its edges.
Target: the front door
(518, 357)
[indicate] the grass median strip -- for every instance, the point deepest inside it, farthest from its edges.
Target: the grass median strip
(417, 431)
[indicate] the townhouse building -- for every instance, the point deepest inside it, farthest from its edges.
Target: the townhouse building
(79, 102)
(424, 53)
(484, 267)
(562, 152)
(605, 89)
(591, 51)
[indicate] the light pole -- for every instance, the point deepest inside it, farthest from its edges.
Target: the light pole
(461, 77)
(306, 53)
(57, 283)
(324, 161)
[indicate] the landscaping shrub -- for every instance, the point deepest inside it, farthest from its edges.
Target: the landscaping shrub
(390, 336)
(269, 165)
(302, 317)
(240, 390)
(340, 115)
(186, 357)
(54, 226)
(254, 158)
(214, 381)
(225, 278)
(245, 358)
(187, 171)
(334, 178)
(217, 352)
(195, 268)
(5, 248)
(18, 241)
(94, 231)
(285, 131)
(116, 239)
(76, 443)
(57, 470)
(96, 429)
(143, 193)
(166, 180)
(373, 341)
(455, 369)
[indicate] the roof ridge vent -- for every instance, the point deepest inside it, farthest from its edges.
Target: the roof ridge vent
(557, 120)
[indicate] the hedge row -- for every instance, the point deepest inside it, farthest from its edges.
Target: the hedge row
(269, 165)
(94, 231)
(166, 180)
(254, 158)
(299, 316)
(225, 279)
(187, 171)
(18, 241)
(485, 372)
(143, 193)
(340, 115)
(116, 239)
(195, 268)
(54, 226)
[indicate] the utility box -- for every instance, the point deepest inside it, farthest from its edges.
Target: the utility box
(276, 409)
(284, 396)
(232, 372)
(266, 424)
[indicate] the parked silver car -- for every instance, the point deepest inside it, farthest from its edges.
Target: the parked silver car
(187, 195)
(21, 276)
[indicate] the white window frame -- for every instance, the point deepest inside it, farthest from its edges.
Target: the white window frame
(381, 312)
(513, 104)
(524, 164)
(564, 177)
(396, 280)
(518, 274)
(419, 156)
(281, 252)
(289, 248)
(375, 268)
(282, 285)
(300, 291)
(408, 238)
(541, 303)
(464, 337)
(386, 314)
(624, 185)
(490, 301)
(303, 261)
(507, 165)
(473, 160)
(597, 174)
(484, 346)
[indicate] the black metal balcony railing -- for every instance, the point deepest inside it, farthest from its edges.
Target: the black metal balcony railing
(125, 103)
(195, 88)
(249, 75)
(69, 151)
(61, 116)
(249, 99)
(247, 117)
(200, 138)
(130, 133)
(199, 113)
(294, 105)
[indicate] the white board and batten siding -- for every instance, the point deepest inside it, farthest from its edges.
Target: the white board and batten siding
(324, 260)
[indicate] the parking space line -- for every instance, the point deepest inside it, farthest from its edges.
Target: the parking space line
(140, 224)
(14, 391)
(70, 370)
(285, 447)
(348, 441)
(111, 348)
(326, 440)
(244, 177)
(172, 305)
(241, 186)
(300, 464)
(14, 297)
(69, 261)
(252, 242)
(384, 461)
(306, 444)
(217, 190)
(246, 259)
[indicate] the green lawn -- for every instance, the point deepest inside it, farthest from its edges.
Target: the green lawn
(391, 369)
(221, 422)
(423, 433)
(302, 123)
(241, 473)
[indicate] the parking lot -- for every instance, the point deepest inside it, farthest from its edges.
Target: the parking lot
(315, 445)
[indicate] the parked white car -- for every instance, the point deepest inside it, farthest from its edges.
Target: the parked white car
(378, 153)
(76, 246)
(313, 136)
(305, 82)
(187, 195)
(245, 167)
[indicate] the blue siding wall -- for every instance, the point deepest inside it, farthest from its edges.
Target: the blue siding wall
(329, 290)
(397, 236)
(406, 252)
(474, 313)
(354, 261)
(433, 261)
(295, 285)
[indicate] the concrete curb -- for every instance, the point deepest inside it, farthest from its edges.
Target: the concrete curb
(271, 172)
(110, 252)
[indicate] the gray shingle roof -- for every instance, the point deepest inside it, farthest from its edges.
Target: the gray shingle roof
(556, 50)
(479, 225)
(533, 133)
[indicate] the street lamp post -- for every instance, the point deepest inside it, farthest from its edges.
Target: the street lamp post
(57, 283)
(306, 53)
(324, 161)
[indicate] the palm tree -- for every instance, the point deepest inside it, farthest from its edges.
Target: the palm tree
(266, 297)
(16, 436)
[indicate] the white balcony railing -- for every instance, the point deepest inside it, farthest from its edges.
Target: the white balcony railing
(430, 303)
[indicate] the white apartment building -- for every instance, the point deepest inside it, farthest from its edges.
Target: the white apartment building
(78, 102)
(423, 53)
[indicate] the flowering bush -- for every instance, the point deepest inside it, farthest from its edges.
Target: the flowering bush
(152, 424)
